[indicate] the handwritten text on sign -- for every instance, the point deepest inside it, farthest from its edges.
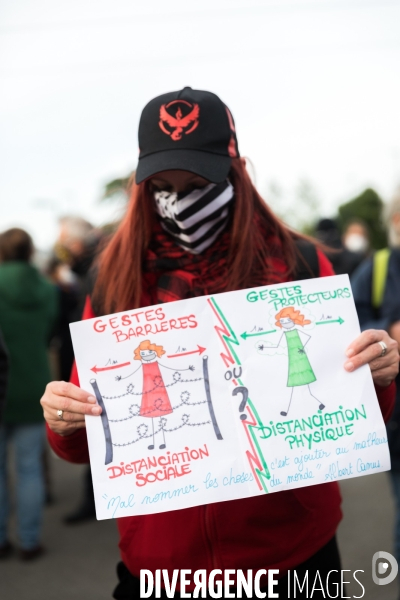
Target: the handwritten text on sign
(228, 396)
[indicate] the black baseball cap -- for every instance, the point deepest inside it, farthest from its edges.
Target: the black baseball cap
(191, 130)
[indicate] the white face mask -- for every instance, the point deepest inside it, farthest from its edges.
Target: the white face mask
(66, 276)
(195, 219)
(356, 243)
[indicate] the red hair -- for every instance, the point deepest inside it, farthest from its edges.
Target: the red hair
(119, 282)
(147, 345)
(293, 314)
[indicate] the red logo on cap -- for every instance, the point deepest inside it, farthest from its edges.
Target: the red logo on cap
(178, 123)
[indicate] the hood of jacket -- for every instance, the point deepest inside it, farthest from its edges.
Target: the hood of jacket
(21, 285)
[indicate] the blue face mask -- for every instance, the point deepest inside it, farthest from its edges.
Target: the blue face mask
(195, 219)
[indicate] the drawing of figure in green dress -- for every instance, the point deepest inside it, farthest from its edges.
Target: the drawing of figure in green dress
(300, 371)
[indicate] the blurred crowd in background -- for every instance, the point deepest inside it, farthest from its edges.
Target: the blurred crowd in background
(39, 299)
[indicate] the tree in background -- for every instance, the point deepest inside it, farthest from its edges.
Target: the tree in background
(367, 207)
(118, 189)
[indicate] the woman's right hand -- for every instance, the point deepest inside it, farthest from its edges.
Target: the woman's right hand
(73, 402)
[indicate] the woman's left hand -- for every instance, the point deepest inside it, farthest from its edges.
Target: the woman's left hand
(366, 350)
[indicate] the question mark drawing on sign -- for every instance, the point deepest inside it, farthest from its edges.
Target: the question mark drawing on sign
(245, 394)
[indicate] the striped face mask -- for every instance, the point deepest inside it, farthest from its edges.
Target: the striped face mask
(195, 219)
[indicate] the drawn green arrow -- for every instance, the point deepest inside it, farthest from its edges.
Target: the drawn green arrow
(246, 335)
(339, 320)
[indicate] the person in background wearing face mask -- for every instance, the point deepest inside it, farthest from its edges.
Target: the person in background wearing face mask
(356, 238)
(196, 225)
(376, 289)
(75, 251)
(344, 261)
(76, 247)
(73, 254)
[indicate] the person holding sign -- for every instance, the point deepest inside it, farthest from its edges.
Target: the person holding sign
(196, 225)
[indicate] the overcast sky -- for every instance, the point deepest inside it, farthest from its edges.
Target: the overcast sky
(314, 87)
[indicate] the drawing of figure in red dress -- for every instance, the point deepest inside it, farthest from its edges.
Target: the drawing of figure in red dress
(155, 399)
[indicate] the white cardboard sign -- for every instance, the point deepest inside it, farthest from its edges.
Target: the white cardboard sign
(227, 396)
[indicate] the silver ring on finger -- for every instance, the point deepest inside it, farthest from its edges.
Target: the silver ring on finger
(384, 348)
(60, 415)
